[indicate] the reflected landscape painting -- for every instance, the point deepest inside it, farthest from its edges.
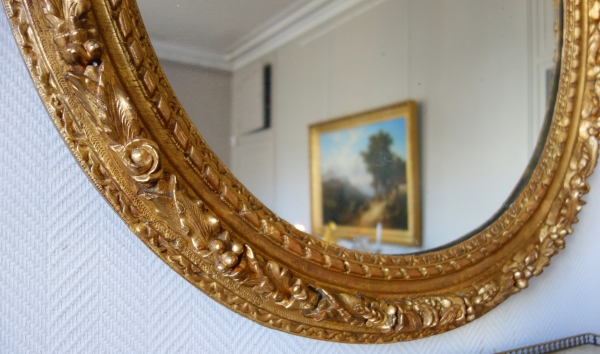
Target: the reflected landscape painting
(364, 174)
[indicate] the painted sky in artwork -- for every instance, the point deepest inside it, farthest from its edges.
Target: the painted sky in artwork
(340, 152)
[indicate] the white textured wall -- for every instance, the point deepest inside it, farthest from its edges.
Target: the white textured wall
(74, 279)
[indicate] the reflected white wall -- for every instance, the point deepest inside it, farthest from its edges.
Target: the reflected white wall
(466, 63)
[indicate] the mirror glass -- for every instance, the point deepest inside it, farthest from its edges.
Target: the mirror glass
(254, 76)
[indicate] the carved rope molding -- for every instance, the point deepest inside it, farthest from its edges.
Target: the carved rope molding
(95, 70)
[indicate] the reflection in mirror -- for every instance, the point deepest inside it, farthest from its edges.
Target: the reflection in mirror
(254, 76)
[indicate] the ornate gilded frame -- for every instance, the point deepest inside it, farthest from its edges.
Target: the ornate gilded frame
(96, 72)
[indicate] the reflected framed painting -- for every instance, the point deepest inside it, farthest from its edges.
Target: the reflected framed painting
(365, 176)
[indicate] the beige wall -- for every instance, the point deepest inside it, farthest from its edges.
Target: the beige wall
(206, 97)
(472, 86)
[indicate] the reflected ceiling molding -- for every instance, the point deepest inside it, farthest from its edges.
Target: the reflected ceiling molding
(357, 11)
(268, 37)
(190, 56)
(286, 29)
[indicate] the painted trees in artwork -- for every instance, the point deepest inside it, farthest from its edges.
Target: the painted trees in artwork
(387, 168)
(345, 204)
(389, 181)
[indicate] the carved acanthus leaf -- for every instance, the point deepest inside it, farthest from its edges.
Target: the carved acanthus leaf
(283, 288)
(76, 38)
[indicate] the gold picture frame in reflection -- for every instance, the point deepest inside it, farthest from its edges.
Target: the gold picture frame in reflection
(365, 176)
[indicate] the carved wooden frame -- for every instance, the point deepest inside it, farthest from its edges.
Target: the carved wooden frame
(97, 74)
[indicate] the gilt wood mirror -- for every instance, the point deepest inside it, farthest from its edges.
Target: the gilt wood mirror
(95, 69)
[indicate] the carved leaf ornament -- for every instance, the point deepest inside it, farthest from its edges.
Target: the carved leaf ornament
(99, 79)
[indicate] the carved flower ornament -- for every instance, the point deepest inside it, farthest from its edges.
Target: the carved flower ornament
(140, 157)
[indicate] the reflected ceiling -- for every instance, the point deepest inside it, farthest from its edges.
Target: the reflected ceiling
(215, 27)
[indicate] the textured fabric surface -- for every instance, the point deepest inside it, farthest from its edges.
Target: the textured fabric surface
(74, 279)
